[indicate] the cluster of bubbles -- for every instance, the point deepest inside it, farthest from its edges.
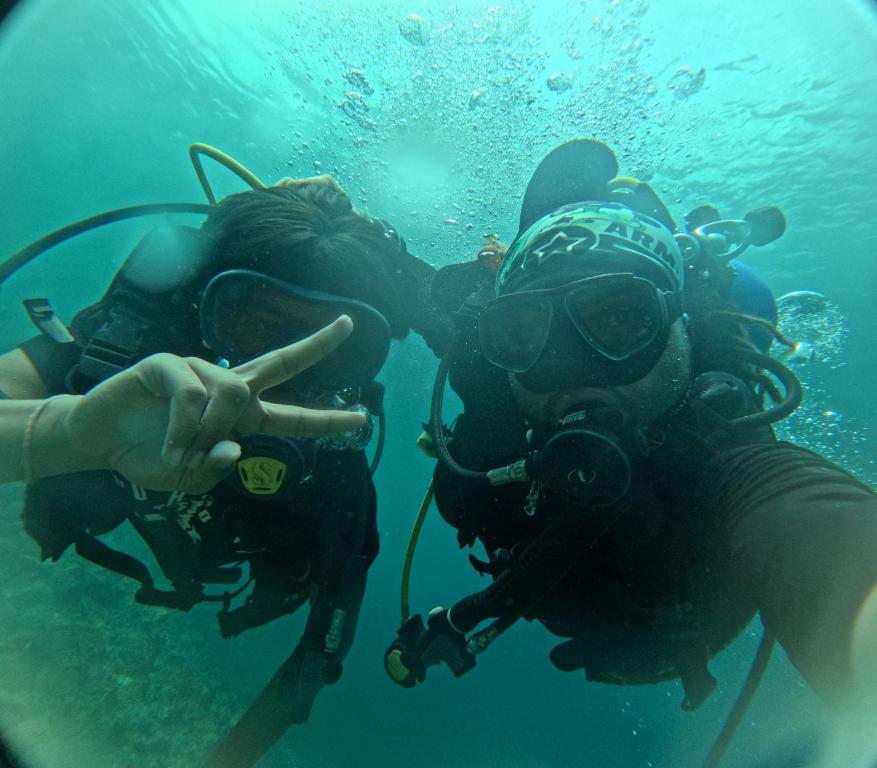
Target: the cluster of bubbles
(830, 434)
(492, 88)
(819, 332)
(816, 325)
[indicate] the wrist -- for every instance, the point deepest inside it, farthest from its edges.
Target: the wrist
(52, 445)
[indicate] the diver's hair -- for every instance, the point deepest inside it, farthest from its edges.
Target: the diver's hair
(312, 236)
(719, 337)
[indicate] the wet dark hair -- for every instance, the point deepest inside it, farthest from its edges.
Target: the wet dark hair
(311, 235)
(718, 332)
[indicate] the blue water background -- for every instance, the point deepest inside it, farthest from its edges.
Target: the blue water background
(738, 104)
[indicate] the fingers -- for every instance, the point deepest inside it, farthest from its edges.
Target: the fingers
(281, 365)
(216, 467)
(205, 403)
(222, 455)
(293, 421)
(228, 398)
(171, 378)
(323, 181)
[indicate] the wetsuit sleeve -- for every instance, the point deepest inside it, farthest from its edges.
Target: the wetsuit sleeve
(802, 538)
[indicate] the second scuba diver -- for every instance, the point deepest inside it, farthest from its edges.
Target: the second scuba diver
(267, 267)
(615, 455)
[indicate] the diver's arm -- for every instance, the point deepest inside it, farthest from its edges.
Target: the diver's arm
(863, 655)
(20, 411)
(19, 378)
(802, 537)
(167, 423)
(29, 429)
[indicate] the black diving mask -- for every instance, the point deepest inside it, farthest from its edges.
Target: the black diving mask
(245, 314)
(604, 330)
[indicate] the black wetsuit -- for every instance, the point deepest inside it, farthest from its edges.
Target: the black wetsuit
(718, 524)
(315, 547)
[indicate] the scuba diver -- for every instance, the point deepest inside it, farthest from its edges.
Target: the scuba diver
(294, 519)
(615, 455)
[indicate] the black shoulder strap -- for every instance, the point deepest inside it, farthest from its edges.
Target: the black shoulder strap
(95, 551)
(150, 306)
(51, 360)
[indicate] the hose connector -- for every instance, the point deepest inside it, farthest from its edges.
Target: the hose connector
(513, 473)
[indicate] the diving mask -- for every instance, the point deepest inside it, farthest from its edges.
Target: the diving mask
(245, 314)
(607, 329)
(586, 297)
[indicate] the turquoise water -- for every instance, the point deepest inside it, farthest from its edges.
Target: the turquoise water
(739, 104)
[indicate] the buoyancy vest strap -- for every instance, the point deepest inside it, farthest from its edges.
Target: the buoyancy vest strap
(95, 551)
(343, 590)
(691, 660)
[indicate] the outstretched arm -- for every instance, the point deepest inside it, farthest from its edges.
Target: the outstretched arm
(167, 423)
(802, 534)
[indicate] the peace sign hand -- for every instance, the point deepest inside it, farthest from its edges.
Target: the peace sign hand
(171, 423)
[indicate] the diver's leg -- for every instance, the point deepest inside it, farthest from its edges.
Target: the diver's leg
(290, 694)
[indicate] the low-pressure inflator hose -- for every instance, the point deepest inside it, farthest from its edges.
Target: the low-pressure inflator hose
(435, 419)
(34, 249)
(744, 698)
(405, 605)
(538, 568)
(197, 149)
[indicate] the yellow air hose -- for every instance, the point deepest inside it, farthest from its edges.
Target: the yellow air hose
(198, 149)
(424, 442)
(38, 247)
(412, 545)
(623, 182)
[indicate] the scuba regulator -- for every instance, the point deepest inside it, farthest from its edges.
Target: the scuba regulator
(272, 467)
(583, 459)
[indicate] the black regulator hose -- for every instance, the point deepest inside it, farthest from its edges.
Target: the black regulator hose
(541, 565)
(30, 252)
(791, 400)
(435, 418)
(543, 562)
(744, 698)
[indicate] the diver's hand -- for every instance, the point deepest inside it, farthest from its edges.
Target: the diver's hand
(417, 647)
(171, 423)
(325, 180)
(402, 661)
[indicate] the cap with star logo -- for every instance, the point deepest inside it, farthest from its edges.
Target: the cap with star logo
(589, 239)
(578, 219)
